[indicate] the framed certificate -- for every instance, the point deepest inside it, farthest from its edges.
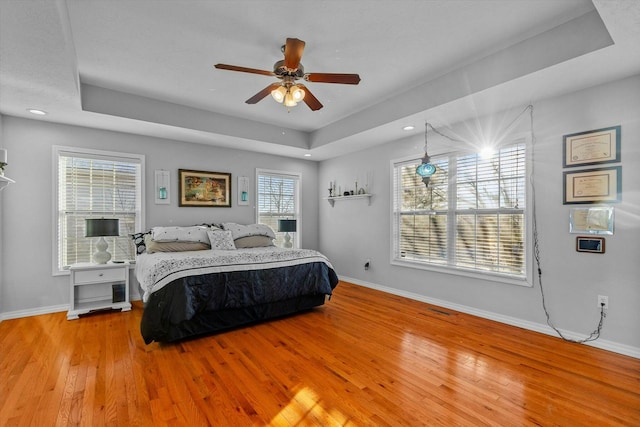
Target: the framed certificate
(593, 220)
(602, 185)
(592, 147)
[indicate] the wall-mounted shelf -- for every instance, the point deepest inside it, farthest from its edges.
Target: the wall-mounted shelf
(4, 181)
(332, 200)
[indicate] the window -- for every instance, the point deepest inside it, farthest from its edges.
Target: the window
(470, 219)
(95, 184)
(278, 198)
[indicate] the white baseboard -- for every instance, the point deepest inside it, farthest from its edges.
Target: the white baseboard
(513, 321)
(49, 309)
(33, 311)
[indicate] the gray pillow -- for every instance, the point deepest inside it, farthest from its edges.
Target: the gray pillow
(154, 246)
(253, 242)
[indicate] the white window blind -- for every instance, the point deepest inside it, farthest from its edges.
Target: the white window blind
(421, 213)
(472, 215)
(278, 199)
(96, 184)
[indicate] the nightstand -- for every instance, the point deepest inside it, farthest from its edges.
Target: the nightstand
(98, 287)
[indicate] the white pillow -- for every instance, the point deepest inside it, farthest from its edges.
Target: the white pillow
(221, 240)
(238, 230)
(195, 233)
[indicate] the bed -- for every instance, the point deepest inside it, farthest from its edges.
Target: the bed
(197, 292)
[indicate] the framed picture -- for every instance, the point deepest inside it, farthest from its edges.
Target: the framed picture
(602, 185)
(594, 245)
(592, 147)
(594, 220)
(208, 189)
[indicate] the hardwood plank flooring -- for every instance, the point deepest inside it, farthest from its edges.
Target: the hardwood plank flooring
(364, 358)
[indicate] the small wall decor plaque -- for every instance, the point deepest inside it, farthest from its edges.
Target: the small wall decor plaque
(594, 245)
(243, 191)
(162, 183)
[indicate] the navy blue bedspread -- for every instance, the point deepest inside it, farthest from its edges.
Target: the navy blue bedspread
(185, 306)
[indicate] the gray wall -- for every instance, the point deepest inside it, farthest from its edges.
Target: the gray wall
(1, 222)
(352, 231)
(26, 221)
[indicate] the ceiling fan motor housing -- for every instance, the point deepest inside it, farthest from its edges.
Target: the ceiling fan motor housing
(280, 70)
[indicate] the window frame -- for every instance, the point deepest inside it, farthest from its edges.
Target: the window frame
(525, 280)
(57, 151)
(297, 176)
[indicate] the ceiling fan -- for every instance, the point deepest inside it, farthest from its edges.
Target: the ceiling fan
(289, 70)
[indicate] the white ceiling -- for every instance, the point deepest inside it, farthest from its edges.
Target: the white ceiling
(146, 66)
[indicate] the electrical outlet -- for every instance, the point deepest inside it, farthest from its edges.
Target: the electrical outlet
(603, 299)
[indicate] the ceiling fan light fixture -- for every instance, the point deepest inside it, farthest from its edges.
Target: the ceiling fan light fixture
(288, 71)
(297, 93)
(279, 94)
(289, 101)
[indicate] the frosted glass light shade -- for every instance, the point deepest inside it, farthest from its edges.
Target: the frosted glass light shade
(279, 94)
(297, 93)
(289, 101)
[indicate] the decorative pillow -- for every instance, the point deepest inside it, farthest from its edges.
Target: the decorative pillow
(153, 246)
(139, 241)
(196, 233)
(221, 239)
(212, 225)
(238, 230)
(253, 242)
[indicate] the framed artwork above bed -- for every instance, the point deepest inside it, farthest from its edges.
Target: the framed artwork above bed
(204, 189)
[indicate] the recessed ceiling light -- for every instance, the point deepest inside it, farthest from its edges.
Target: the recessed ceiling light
(37, 112)
(409, 127)
(307, 155)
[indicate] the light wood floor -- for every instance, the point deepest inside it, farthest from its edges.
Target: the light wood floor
(364, 358)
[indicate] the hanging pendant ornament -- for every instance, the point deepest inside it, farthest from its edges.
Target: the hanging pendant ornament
(426, 169)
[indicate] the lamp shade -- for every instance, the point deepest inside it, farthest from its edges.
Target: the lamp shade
(287, 225)
(102, 227)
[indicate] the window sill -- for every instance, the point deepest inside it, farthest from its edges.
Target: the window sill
(486, 275)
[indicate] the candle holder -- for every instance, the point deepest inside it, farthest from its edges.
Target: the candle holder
(331, 192)
(2, 165)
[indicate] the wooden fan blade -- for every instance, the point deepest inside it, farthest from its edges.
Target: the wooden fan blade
(244, 69)
(309, 99)
(347, 79)
(293, 53)
(264, 92)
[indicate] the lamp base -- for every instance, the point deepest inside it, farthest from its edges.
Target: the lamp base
(287, 241)
(101, 256)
